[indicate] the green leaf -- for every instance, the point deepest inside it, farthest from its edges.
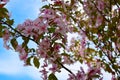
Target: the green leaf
(51, 30)
(28, 60)
(10, 22)
(95, 76)
(115, 67)
(65, 54)
(72, 2)
(3, 10)
(94, 30)
(114, 20)
(32, 50)
(26, 40)
(14, 43)
(60, 9)
(90, 50)
(80, 60)
(52, 77)
(1, 34)
(100, 54)
(1, 28)
(108, 68)
(4, 13)
(62, 45)
(118, 2)
(45, 6)
(36, 62)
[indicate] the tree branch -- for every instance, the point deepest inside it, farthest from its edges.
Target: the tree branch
(66, 69)
(17, 31)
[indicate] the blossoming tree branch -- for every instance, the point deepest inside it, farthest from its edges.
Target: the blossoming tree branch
(97, 27)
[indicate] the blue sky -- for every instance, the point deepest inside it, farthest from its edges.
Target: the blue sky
(11, 68)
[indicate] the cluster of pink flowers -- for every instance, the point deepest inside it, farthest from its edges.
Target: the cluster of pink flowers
(23, 55)
(50, 43)
(30, 28)
(82, 75)
(44, 73)
(44, 48)
(41, 24)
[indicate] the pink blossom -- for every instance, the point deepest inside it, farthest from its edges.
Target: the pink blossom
(54, 68)
(100, 5)
(20, 49)
(28, 31)
(71, 77)
(93, 71)
(118, 27)
(20, 27)
(83, 44)
(70, 29)
(23, 55)
(45, 64)
(40, 26)
(44, 73)
(43, 48)
(66, 60)
(62, 30)
(61, 21)
(28, 22)
(37, 22)
(43, 28)
(99, 21)
(113, 77)
(44, 44)
(6, 38)
(26, 28)
(56, 36)
(85, 7)
(117, 45)
(80, 76)
(41, 53)
(88, 8)
(57, 47)
(58, 2)
(48, 14)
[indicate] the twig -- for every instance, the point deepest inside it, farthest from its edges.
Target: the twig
(67, 69)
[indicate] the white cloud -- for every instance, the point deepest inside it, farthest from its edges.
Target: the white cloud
(11, 65)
